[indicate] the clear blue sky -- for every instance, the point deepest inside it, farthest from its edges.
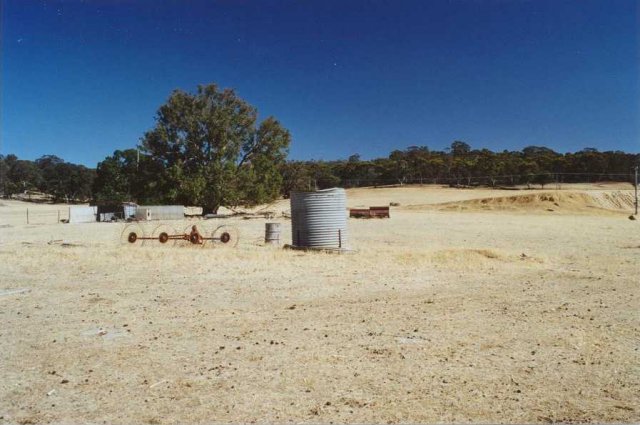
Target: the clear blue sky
(83, 78)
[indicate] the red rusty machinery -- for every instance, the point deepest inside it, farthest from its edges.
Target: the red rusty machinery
(371, 212)
(164, 234)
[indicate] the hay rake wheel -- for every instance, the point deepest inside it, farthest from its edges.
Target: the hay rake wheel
(164, 234)
(132, 234)
(228, 236)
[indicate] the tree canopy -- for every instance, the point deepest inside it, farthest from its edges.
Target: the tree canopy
(48, 174)
(207, 148)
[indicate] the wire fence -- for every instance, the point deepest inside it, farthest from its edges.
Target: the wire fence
(34, 216)
(556, 181)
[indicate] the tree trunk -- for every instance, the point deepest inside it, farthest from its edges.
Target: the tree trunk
(210, 210)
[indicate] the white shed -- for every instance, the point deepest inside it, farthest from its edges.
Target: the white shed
(82, 214)
(162, 212)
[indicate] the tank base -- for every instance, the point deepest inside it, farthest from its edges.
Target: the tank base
(328, 250)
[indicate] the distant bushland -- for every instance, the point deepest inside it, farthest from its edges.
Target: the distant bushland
(461, 166)
(61, 181)
(140, 176)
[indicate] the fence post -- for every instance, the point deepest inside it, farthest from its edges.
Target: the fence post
(27, 215)
(58, 216)
(636, 188)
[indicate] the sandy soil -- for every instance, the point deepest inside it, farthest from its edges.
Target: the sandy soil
(450, 311)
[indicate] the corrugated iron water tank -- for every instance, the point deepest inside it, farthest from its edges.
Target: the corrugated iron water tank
(319, 219)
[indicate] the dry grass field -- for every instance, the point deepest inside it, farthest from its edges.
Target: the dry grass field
(465, 306)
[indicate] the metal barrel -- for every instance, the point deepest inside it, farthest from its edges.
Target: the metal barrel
(319, 219)
(272, 233)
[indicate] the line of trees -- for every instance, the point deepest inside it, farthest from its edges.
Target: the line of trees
(460, 165)
(131, 175)
(61, 181)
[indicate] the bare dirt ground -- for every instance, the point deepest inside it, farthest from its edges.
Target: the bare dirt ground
(465, 306)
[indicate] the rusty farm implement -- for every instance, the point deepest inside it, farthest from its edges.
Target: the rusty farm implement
(135, 234)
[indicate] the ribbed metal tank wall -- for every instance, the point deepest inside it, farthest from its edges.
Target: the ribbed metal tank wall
(319, 219)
